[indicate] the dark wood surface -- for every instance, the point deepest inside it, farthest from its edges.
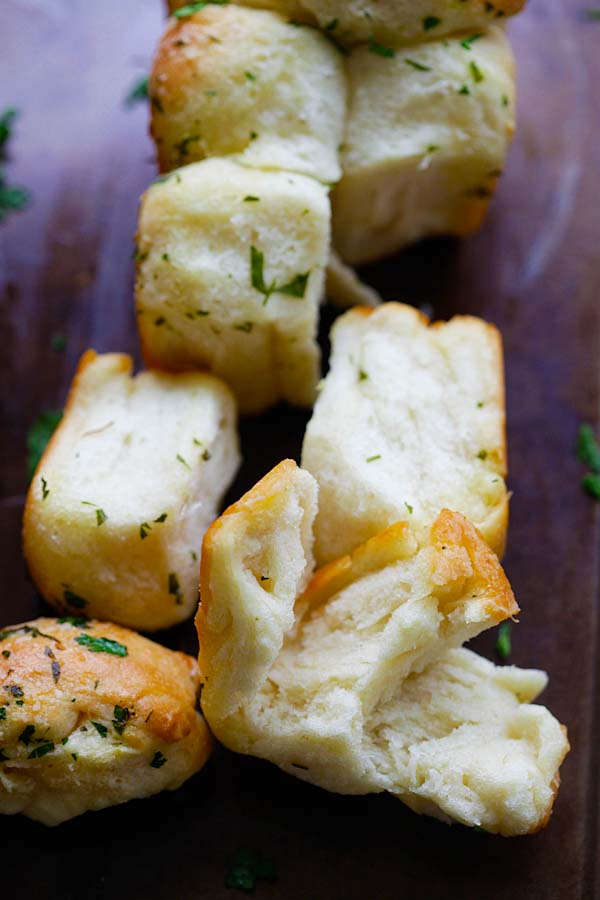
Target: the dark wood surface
(66, 268)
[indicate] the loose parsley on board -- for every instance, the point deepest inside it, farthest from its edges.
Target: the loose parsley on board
(12, 198)
(38, 436)
(138, 92)
(6, 120)
(588, 452)
(247, 868)
(504, 642)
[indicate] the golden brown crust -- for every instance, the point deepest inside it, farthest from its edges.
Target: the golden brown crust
(461, 552)
(252, 503)
(50, 663)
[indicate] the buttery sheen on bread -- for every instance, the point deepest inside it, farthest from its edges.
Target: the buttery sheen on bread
(409, 420)
(427, 133)
(231, 271)
(121, 498)
(351, 682)
(388, 21)
(92, 715)
(249, 85)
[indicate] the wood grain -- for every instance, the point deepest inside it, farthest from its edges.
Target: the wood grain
(66, 267)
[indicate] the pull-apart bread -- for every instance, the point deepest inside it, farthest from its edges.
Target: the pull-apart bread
(128, 485)
(92, 715)
(249, 85)
(353, 680)
(427, 134)
(387, 21)
(410, 419)
(231, 270)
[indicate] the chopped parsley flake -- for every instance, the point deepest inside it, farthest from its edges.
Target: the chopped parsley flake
(417, 65)
(468, 42)
(373, 458)
(588, 449)
(482, 454)
(476, 72)
(101, 645)
(430, 22)
(41, 750)
(27, 734)
(192, 8)
(380, 50)
(121, 717)
(162, 518)
(145, 529)
(294, 288)
(409, 507)
(247, 868)
(38, 437)
(45, 490)
(101, 517)
(591, 485)
(73, 599)
(138, 92)
(158, 760)
(250, 199)
(100, 728)
(6, 654)
(6, 120)
(58, 343)
(2, 713)
(250, 76)
(464, 90)
(246, 327)
(174, 588)
(75, 621)
(180, 459)
(504, 643)
(183, 146)
(331, 25)
(12, 199)
(362, 375)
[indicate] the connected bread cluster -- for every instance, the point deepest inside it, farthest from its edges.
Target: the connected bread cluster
(294, 139)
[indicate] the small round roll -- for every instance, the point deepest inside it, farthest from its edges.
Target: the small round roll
(92, 715)
(426, 140)
(230, 81)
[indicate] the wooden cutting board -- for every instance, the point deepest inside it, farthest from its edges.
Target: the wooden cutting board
(66, 268)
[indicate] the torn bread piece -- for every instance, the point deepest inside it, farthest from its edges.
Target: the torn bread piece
(125, 490)
(410, 419)
(248, 84)
(231, 271)
(393, 22)
(93, 715)
(427, 135)
(353, 687)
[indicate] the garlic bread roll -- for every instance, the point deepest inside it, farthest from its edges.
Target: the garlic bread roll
(230, 276)
(92, 715)
(427, 135)
(352, 685)
(247, 84)
(410, 419)
(124, 492)
(388, 21)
